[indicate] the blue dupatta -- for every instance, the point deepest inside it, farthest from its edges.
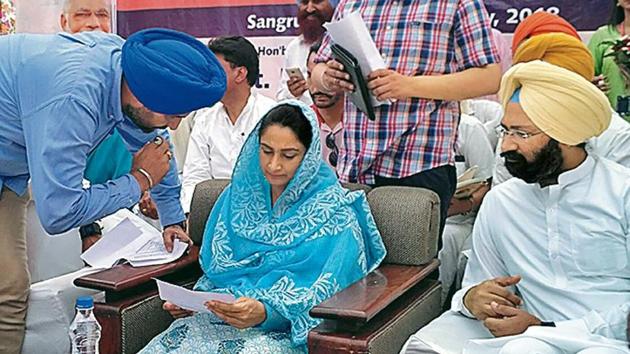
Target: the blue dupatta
(316, 240)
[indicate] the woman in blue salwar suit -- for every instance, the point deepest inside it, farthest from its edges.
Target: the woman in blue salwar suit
(283, 237)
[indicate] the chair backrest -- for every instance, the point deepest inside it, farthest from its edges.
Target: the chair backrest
(408, 218)
(409, 221)
(205, 195)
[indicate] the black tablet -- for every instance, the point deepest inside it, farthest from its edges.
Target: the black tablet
(361, 95)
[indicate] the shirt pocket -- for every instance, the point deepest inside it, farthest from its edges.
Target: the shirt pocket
(600, 248)
(418, 43)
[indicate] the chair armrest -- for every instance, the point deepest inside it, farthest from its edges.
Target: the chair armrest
(363, 300)
(125, 277)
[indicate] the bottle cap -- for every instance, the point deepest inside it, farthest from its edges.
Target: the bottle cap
(85, 302)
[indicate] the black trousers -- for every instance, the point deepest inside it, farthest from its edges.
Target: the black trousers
(442, 180)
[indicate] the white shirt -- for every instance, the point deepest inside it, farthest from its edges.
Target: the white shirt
(570, 243)
(297, 54)
(490, 114)
(215, 142)
(472, 148)
(613, 144)
(180, 138)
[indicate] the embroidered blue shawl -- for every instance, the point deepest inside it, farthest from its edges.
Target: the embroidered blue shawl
(316, 240)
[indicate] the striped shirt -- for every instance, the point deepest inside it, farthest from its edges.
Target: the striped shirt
(429, 37)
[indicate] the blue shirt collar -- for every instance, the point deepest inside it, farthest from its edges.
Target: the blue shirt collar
(115, 103)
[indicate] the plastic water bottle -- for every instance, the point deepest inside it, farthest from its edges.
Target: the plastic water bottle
(85, 332)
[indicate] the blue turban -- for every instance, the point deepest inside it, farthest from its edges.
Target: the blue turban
(333, 3)
(171, 72)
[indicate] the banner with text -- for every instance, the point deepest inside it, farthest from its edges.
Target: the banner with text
(271, 24)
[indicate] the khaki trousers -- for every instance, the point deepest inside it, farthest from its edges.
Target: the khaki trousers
(14, 275)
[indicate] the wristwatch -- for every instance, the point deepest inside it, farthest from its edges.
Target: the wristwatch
(90, 230)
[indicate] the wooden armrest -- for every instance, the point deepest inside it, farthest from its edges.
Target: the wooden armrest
(363, 300)
(124, 277)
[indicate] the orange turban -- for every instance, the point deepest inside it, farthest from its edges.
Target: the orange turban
(559, 49)
(539, 23)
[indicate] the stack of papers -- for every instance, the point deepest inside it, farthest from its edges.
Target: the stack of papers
(352, 34)
(135, 241)
(189, 299)
(467, 184)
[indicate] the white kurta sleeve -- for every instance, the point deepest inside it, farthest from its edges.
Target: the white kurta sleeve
(197, 167)
(283, 89)
(485, 262)
(296, 56)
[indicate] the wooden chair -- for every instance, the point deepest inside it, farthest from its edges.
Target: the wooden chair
(374, 315)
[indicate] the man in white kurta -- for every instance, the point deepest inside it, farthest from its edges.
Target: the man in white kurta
(220, 131)
(613, 144)
(550, 264)
(312, 14)
(572, 54)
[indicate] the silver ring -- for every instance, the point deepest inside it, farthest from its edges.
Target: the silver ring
(158, 140)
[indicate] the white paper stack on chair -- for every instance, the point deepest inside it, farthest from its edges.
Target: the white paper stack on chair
(467, 184)
(135, 241)
(189, 299)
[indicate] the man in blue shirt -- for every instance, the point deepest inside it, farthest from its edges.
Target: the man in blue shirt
(60, 96)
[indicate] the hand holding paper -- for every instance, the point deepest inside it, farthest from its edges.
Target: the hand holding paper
(189, 299)
(176, 311)
(243, 313)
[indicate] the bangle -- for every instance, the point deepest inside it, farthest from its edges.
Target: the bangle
(147, 175)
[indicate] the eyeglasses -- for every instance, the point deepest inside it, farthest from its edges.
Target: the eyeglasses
(518, 134)
(333, 157)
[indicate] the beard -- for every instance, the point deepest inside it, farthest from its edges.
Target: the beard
(135, 114)
(310, 24)
(545, 168)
